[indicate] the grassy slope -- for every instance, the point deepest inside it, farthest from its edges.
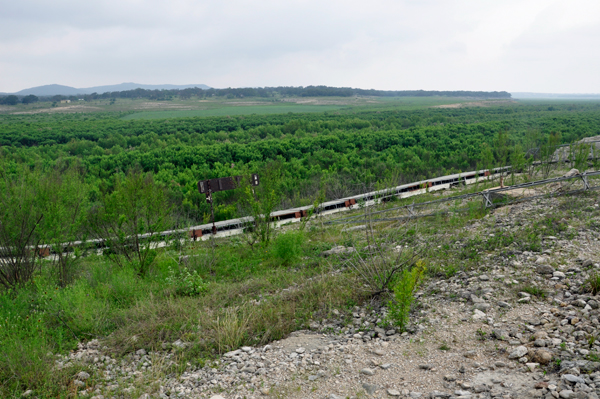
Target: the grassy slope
(243, 296)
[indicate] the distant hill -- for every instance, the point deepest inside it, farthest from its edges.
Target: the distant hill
(557, 96)
(54, 89)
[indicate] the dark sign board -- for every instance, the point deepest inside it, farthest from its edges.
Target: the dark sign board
(223, 183)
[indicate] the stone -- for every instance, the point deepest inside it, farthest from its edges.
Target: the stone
(544, 269)
(459, 392)
(478, 315)
(566, 393)
(499, 334)
(558, 275)
(140, 352)
(379, 352)
(503, 304)
(338, 250)
(385, 366)
(475, 299)
(415, 394)
(367, 371)
(532, 366)
(573, 379)
(82, 375)
(27, 393)
(393, 392)
(579, 303)
(370, 389)
(571, 173)
(519, 352)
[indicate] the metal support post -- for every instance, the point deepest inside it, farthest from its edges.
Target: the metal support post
(488, 201)
(586, 185)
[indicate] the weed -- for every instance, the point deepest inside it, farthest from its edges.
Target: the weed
(403, 294)
(593, 283)
(186, 283)
(444, 347)
(451, 270)
(535, 291)
(288, 246)
(481, 335)
(563, 346)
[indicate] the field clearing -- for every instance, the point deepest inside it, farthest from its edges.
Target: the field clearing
(233, 110)
(180, 108)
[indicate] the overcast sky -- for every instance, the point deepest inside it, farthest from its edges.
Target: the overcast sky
(550, 46)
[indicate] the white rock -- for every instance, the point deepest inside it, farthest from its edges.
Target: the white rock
(367, 371)
(519, 352)
(478, 315)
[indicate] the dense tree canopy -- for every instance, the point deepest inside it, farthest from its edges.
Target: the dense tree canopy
(352, 147)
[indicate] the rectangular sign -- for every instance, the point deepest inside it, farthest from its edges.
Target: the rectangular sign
(224, 183)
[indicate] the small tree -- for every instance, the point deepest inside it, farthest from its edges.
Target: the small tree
(517, 162)
(64, 204)
(20, 218)
(547, 153)
(259, 202)
(130, 219)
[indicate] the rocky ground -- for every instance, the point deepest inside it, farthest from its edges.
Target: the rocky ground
(521, 324)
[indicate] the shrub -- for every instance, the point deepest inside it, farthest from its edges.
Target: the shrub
(186, 283)
(288, 246)
(404, 290)
(20, 221)
(593, 283)
(130, 220)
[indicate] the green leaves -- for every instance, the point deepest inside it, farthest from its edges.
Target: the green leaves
(130, 219)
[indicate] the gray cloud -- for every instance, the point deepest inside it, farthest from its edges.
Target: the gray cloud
(517, 45)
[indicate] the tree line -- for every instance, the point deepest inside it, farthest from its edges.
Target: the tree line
(263, 92)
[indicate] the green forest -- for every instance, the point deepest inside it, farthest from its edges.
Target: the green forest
(347, 148)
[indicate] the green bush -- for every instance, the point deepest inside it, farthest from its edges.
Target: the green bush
(186, 283)
(288, 246)
(404, 289)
